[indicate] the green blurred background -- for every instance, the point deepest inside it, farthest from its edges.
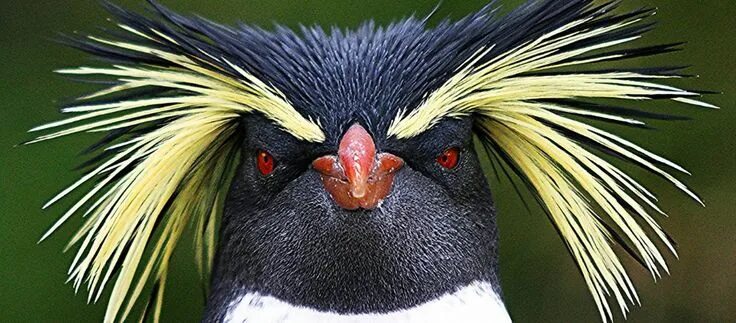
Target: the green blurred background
(540, 280)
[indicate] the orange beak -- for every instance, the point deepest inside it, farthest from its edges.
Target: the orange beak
(357, 177)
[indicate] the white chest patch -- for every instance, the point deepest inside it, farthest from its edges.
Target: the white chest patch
(476, 303)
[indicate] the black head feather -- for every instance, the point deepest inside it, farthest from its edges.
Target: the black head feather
(281, 234)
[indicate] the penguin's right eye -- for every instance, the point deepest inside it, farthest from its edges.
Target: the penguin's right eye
(265, 162)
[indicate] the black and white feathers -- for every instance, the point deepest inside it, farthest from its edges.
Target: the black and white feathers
(181, 86)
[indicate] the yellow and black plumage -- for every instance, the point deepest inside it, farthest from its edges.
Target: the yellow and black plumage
(181, 88)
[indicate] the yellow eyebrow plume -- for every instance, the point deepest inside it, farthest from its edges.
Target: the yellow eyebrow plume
(515, 111)
(154, 185)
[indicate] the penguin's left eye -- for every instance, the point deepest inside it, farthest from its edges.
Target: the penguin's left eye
(449, 158)
(265, 162)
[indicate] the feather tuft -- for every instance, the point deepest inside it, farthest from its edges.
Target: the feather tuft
(173, 167)
(521, 101)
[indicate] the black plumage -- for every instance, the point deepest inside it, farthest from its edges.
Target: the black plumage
(281, 234)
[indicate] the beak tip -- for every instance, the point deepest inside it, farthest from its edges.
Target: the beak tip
(358, 193)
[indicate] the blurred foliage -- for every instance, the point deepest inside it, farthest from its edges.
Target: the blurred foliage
(541, 283)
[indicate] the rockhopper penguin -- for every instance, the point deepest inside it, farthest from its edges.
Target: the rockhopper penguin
(336, 176)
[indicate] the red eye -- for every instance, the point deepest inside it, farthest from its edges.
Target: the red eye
(449, 158)
(265, 162)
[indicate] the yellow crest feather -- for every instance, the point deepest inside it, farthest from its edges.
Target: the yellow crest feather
(176, 174)
(506, 95)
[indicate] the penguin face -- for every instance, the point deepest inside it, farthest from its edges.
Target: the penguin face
(347, 161)
(286, 235)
